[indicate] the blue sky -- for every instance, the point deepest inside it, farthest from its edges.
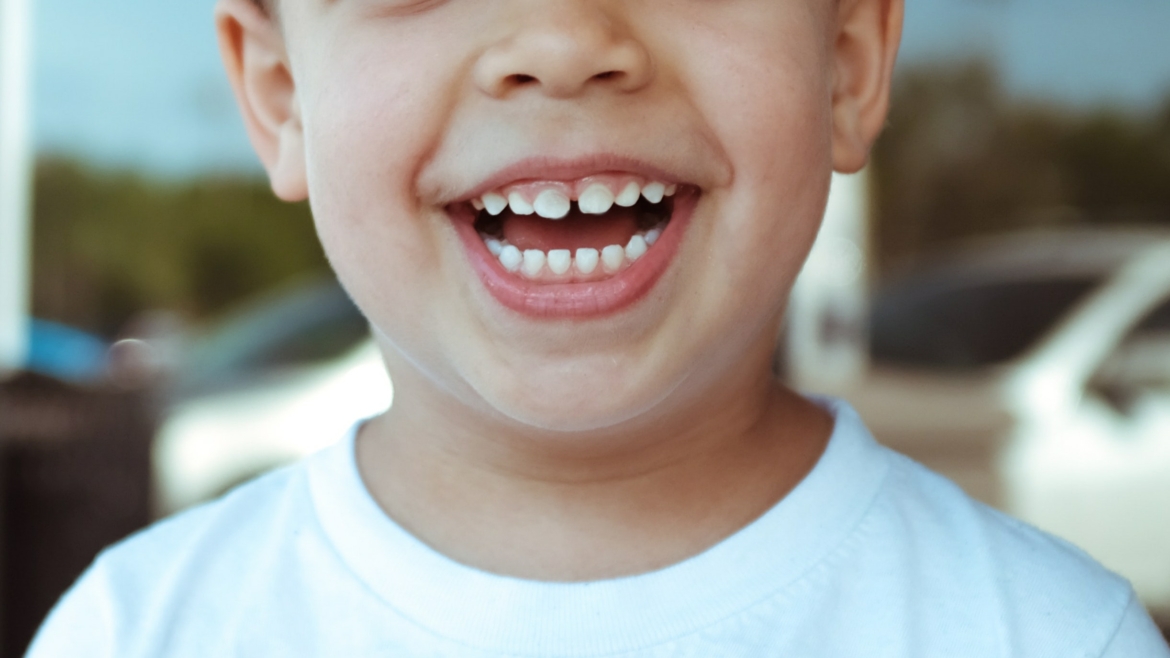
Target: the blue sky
(137, 83)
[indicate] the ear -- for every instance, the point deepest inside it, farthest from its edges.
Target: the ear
(254, 54)
(865, 47)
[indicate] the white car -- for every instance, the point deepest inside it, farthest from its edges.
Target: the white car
(284, 379)
(1034, 371)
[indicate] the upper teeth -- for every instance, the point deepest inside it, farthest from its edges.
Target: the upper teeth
(551, 204)
(495, 203)
(519, 205)
(629, 195)
(654, 192)
(556, 202)
(596, 200)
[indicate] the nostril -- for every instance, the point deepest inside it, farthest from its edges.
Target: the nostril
(561, 64)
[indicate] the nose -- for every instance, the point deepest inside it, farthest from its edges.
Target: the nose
(564, 48)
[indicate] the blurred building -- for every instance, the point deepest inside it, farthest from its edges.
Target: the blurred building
(825, 342)
(15, 180)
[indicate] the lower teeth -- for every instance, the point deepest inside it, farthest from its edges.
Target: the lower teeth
(532, 263)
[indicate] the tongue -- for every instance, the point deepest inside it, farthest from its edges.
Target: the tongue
(576, 231)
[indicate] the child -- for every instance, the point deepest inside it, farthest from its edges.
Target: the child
(573, 226)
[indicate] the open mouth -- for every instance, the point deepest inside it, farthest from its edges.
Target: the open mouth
(557, 234)
(574, 247)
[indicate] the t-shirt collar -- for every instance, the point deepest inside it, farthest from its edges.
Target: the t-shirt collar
(522, 617)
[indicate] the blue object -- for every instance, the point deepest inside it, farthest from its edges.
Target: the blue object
(64, 352)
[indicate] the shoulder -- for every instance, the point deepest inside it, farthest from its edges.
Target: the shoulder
(196, 560)
(244, 522)
(1034, 590)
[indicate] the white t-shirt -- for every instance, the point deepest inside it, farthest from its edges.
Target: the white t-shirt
(871, 555)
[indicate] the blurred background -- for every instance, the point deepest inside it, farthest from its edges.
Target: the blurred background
(993, 293)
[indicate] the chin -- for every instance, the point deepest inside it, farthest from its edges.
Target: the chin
(575, 400)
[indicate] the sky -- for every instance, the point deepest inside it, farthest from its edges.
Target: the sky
(137, 83)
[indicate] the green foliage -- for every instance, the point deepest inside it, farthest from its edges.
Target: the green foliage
(108, 245)
(959, 159)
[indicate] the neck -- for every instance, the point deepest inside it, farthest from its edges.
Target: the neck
(617, 502)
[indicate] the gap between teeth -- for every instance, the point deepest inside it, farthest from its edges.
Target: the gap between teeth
(597, 199)
(532, 263)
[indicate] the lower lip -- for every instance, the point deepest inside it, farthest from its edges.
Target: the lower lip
(578, 300)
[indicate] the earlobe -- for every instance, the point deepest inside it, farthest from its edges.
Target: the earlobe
(287, 175)
(866, 46)
(254, 55)
(850, 148)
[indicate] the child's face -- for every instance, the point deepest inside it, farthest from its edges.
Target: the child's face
(400, 118)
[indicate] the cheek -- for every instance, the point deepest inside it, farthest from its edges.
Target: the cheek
(768, 100)
(367, 128)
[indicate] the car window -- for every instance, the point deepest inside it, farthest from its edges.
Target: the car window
(1157, 321)
(1140, 364)
(311, 325)
(947, 322)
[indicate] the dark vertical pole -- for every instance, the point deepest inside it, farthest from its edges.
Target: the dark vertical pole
(15, 204)
(75, 464)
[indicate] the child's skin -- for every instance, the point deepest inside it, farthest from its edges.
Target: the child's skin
(550, 444)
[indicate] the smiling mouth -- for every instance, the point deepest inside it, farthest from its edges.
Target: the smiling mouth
(584, 247)
(584, 231)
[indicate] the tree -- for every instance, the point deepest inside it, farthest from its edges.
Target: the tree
(959, 158)
(110, 244)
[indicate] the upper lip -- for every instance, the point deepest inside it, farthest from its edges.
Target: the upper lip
(562, 169)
